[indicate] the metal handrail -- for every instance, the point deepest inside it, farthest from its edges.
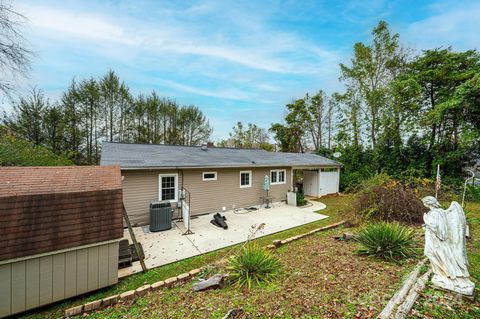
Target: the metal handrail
(187, 201)
(465, 186)
(187, 192)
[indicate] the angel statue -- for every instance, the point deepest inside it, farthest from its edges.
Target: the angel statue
(445, 246)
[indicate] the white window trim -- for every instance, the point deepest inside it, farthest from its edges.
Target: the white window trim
(160, 186)
(209, 179)
(284, 176)
(250, 179)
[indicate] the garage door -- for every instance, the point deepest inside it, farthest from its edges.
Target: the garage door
(310, 183)
(329, 181)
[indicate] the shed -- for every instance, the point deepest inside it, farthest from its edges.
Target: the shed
(60, 229)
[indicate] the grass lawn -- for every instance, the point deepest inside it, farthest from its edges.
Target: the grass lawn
(335, 207)
(322, 278)
(438, 304)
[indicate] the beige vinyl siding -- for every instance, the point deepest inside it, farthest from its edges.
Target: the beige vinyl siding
(33, 282)
(140, 188)
(211, 196)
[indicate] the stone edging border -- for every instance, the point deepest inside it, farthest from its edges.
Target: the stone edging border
(278, 243)
(169, 282)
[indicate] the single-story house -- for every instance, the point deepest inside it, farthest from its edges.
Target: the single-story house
(212, 179)
(60, 229)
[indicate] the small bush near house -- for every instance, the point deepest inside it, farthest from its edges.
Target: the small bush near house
(389, 241)
(384, 198)
(301, 201)
(253, 265)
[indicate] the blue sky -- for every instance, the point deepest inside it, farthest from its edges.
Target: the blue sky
(236, 60)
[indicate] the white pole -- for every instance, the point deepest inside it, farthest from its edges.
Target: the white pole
(465, 187)
(437, 181)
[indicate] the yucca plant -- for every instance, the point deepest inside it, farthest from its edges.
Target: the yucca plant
(389, 241)
(253, 265)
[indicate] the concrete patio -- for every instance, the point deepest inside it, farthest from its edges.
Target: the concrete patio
(165, 247)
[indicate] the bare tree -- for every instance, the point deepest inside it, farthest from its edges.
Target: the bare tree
(14, 56)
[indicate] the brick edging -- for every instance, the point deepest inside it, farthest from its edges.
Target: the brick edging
(130, 294)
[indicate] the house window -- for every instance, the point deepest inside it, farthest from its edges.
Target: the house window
(209, 176)
(277, 176)
(245, 179)
(168, 189)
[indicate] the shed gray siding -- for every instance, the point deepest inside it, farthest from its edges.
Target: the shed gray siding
(31, 282)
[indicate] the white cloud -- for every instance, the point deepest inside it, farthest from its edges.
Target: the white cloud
(80, 25)
(260, 51)
(452, 26)
(229, 94)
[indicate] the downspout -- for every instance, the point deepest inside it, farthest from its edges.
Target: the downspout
(319, 172)
(179, 210)
(292, 188)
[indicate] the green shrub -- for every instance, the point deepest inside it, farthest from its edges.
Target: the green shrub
(17, 152)
(252, 266)
(389, 241)
(301, 201)
(472, 193)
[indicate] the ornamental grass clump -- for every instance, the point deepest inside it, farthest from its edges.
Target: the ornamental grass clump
(253, 265)
(389, 241)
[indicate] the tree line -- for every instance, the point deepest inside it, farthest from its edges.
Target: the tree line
(247, 136)
(399, 113)
(96, 110)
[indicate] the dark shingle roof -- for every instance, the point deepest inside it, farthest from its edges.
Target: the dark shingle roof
(136, 156)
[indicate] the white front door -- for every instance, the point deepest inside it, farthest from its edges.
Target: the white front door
(310, 183)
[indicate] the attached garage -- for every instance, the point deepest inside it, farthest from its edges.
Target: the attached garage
(321, 181)
(60, 228)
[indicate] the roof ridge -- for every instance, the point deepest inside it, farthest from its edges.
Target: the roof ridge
(191, 146)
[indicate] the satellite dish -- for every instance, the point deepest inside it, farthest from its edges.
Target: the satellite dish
(337, 154)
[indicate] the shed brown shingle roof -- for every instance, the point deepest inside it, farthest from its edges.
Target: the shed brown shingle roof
(46, 209)
(17, 181)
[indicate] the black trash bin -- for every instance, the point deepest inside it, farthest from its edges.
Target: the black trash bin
(160, 216)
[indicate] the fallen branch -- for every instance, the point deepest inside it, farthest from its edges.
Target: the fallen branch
(404, 309)
(400, 295)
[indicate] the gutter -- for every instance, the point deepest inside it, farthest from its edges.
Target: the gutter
(132, 168)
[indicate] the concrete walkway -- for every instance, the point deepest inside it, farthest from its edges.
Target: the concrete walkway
(165, 247)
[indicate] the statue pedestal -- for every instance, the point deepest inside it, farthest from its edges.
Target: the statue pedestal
(459, 285)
